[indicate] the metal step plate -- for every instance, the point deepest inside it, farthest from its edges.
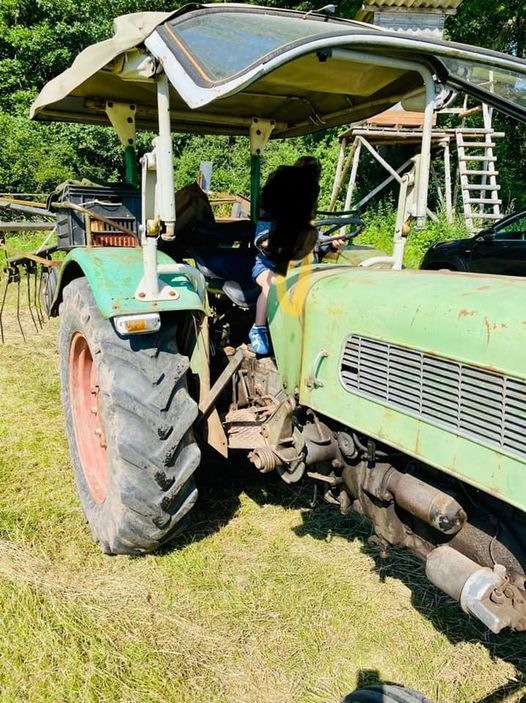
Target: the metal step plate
(243, 429)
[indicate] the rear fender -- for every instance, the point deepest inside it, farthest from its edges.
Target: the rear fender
(114, 275)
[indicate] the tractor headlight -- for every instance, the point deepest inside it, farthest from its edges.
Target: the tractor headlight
(143, 323)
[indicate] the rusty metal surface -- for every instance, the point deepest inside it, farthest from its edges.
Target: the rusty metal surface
(197, 336)
(209, 400)
(438, 509)
(411, 4)
(243, 429)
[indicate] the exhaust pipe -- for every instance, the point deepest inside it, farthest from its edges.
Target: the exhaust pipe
(429, 504)
(483, 592)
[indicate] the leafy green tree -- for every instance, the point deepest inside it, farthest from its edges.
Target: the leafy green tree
(490, 23)
(40, 38)
(499, 25)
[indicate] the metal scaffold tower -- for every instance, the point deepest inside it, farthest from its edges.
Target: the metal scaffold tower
(393, 127)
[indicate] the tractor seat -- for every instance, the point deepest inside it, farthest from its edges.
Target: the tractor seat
(226, 267)
(229, 270)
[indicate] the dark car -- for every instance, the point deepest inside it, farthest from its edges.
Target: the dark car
(499, 249)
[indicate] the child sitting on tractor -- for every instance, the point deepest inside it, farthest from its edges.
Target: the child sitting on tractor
(284, 233)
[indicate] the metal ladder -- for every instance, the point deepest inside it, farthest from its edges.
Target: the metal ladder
(477, 171)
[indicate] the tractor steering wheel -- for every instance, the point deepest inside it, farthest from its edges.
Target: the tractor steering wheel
(334, 221)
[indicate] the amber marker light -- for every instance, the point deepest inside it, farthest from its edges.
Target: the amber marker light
(144, 323)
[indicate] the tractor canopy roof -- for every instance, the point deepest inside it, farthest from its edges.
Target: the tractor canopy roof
(227, 63)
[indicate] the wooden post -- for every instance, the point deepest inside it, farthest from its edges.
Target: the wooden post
(447, 181)
(357, 147)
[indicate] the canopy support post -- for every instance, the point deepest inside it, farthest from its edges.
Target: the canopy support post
(122, 118)
(422, 184)
(255, 185)
(165, 190)
(425, 154)
(260, 131)
(158, 209)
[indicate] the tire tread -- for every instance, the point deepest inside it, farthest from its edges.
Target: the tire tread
(148, 419)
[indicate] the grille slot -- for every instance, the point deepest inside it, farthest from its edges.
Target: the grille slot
(475, 403)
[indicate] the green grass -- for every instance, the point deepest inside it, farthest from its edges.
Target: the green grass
(29, 241)
(380, 226)
(264, 600)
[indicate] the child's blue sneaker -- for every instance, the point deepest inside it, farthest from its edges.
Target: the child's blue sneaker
(258, 336)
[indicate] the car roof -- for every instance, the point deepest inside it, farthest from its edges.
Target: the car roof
(227, 63)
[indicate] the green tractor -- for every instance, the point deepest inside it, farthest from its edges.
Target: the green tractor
(400, 393)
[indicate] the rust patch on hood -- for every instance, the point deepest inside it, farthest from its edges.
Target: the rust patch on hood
(466, 313)
(488, 329)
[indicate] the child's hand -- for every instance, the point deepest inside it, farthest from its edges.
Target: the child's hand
(338, 243)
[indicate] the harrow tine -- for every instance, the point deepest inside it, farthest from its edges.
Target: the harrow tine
(36, 295)
(17, 281)
(30, 266)
(2, 338)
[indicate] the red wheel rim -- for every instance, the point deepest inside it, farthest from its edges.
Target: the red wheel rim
(87, 419)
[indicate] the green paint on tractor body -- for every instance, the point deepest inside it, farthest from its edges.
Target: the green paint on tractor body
(458, 323)
(399, 393)
(353, 254)
(114, 275)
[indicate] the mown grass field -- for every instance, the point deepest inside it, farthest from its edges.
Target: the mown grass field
(264, 600)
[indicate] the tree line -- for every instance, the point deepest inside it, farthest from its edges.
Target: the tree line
(40, 38)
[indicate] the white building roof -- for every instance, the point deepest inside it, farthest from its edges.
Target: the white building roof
(413, 16)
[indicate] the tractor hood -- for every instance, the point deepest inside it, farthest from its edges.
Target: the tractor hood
(305, 71)
(439, 376)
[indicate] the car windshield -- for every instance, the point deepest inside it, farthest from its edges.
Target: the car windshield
(512, 228)
(219, 46)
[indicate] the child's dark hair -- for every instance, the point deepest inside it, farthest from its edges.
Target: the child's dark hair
(310, 163)
(289, 199)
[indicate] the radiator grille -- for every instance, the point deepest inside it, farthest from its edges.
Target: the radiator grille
(471, 401)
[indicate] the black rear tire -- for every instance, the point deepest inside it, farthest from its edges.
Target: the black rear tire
(48, 286)
(132, 450)
(385, 693)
